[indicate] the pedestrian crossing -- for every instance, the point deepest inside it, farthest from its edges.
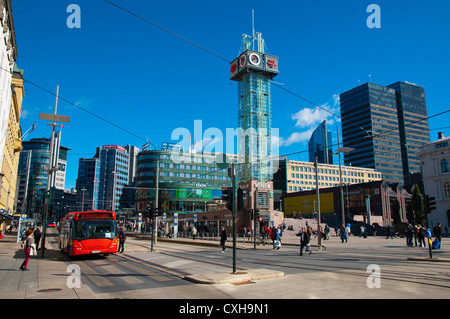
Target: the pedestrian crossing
(113, 274)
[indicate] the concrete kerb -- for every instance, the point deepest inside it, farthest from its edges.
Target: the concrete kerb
(235, 278)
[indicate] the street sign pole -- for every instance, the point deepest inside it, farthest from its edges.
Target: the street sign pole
(51, 168)
(234, 215)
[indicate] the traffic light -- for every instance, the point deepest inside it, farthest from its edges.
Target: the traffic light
(240, 199)
(431, 203)
(148, 212)
(227, 195)
(257, 216)
(251, 214)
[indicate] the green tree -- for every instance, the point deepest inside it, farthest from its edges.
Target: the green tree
(417, 205)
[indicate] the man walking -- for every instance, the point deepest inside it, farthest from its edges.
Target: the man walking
(122, 238)
(438, 233)
(304, 241)
(37, 237)
(223, 238)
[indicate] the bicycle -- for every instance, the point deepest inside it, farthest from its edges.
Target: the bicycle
(262, 240)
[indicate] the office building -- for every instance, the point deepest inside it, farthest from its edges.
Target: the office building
(33, 173)
(187, 183)
(413, 123)
(101, 179)
(435, 159)
(377, 121)
(302, 175)
(320, 145)
(13, 145)
(8, 53)
(87, 185)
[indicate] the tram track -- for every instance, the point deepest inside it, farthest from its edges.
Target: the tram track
(434, 279)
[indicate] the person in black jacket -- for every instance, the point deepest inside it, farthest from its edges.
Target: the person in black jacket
(122, 238)
(223, 238)
(37, 237)
(438, 233)
(304, 241)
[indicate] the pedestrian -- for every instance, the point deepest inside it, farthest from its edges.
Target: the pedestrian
(344, 235)
(223, 238)
(194, 232)
(362, 232)
(438, 233)
(37, 237)
(276, 239)
(390, 232)
(416, 234)
(304, 241)
(327, 231)
(122, 238)
(421, 234)
(27, 245)
(321, 236)
(409, 236)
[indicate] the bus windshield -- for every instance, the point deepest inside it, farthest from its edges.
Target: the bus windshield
(98, 229)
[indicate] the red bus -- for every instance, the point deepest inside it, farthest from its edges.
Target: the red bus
(93, 232)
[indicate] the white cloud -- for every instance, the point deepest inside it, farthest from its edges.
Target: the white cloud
(297, 137)
(307, 120)
(24, 114)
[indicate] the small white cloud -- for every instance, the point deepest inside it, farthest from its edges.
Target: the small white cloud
(24, 114)
(310, 118)
(297, 137)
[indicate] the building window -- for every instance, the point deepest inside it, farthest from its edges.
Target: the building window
(447, 189)
(444, 165)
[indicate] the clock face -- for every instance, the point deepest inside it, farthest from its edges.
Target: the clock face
(254, 59)
(243, 60)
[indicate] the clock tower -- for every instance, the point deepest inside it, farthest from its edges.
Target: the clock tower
(253, 69)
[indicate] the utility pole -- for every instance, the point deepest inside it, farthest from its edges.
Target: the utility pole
(234, 214)
(255, 218)
(316, 166)
(51, 167)
(155, 209)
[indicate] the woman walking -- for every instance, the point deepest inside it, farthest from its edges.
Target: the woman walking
(27, 244)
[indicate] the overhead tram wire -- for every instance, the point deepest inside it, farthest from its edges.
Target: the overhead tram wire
(81, 108)
(227, 60)
(368, 133)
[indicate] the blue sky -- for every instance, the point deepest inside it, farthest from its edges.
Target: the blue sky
(149, 82)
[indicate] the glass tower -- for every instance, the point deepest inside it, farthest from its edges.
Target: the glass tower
(386, 126)
(253, 70)
(413, 123)
(367, 111)
(320, 145)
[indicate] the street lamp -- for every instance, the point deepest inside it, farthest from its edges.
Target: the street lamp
(341, 192)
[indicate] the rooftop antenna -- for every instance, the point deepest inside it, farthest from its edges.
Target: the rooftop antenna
(253, 23)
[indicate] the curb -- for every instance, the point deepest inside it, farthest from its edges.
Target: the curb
(235, 278)
(445, 260)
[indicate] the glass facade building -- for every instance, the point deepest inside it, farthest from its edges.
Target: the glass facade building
(32, 176)
(320, 145)
(413, 123)
(376, 121)
(101, 180)
(188, 182)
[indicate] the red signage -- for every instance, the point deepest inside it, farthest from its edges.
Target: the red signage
(91, 215)
(120, 148)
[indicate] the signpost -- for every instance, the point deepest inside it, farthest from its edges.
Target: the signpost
(223, 162)
(52, 166)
